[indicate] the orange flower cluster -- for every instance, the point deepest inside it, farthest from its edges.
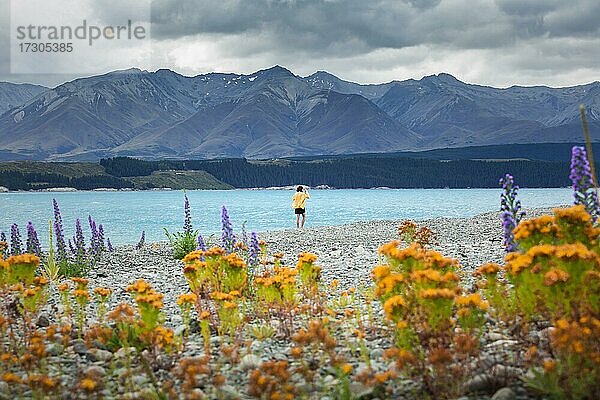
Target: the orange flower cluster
(402, 357)
(81, 295)
(387, 284)
(187, 298)
(547, 228)
(190, 370)
(144, 295)
(235, 261)
(123, 312)
(23, 259)
(309, 273)
(19, 268)
(281, 276)
(517, 262)
(472, 300)
(437, 294)
(308, 258)
(88, 384)
(220, 296)
(193, 256)
(487, 270)
(576, 215)
(439, 356)
(103, 292)
(271, 381)
(42, 382)
(151, 299)
(380, 272)
(368, 378)
(160, 337)
(317, 333)
(410, 232)
(578, 336)
(555, 275)
(543, 225)
(394, 307)
(139, 287)
(214, 252)
(429, 258)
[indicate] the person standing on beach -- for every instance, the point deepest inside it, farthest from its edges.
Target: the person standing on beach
(299, 205)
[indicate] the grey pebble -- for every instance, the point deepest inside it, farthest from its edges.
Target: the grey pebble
(504, 394)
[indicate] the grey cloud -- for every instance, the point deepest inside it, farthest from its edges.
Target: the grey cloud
(485, 41)
(528, 8)
(323, 25)
(423, 4)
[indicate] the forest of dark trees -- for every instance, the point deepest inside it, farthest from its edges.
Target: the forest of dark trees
(15, 180)
(358, 172)
(365, 171)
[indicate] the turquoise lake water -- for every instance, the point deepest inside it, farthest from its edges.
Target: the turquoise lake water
(126, 214)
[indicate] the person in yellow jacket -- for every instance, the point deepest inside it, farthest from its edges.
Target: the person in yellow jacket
(299, 205)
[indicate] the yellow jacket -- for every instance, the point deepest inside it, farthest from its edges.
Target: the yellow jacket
(299, 199)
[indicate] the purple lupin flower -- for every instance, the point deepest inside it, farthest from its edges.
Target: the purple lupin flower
(109, 245)
(2, 237)
(94, 232)
(254, 251)
(71, 247)
(511, 213)
(101, 247)
(583, 184)
(201, 243)
(33, 242)
(59, 234)
(16, 245)
(79, 242)
(187, 221)
(227, 235)
(140, 244)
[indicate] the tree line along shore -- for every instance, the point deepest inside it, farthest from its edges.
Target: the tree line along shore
(364, 171)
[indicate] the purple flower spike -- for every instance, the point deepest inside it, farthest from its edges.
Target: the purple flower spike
(109, 245)
(140, 244)
(227, 235)
(79, 242)
(16, 245)
(187, 222)
(61, 249)
(201, 243)
(511, 213)
(583, 184)
(33, 243)
(254, 251)
(100, 241)
(2, 237)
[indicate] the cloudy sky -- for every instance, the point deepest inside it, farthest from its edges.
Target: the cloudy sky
(491, 42)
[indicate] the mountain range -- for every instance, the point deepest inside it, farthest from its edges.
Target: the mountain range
(274, 113)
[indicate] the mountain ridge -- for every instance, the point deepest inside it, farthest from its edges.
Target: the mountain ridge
(275, 113)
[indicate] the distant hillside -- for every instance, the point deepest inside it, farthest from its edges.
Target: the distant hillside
(273, 113)
(31, 175)
(178, 180)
